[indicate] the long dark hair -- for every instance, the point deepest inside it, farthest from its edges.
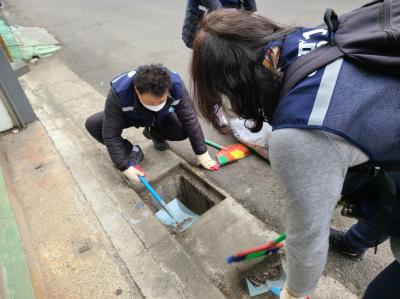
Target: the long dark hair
(227, 60)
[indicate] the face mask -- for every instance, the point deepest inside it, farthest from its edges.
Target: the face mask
(155, 108)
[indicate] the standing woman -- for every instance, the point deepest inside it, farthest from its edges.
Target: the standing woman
(243, 56)
(195, 10)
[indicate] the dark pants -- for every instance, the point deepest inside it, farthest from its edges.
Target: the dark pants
(168, 128)
(386, 285)
(365, 190)
(361, 236)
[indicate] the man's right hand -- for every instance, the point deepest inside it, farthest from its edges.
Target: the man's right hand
(133, 173)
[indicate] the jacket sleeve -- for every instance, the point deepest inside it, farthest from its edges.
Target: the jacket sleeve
(211, 4)
(114, 122)
(188, 117)
(250, 5)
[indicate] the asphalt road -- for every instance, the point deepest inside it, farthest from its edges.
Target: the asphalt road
(103, 38)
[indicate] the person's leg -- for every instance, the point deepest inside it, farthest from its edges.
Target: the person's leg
(94, 125)
(386, 284)
(365, 191)
(362, 236)
(357, 240)
(228, 4)
(193, 17)
(168, 128)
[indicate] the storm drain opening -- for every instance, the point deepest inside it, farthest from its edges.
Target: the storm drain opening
(190, 189)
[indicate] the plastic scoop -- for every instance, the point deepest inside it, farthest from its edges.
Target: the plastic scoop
(174, 214)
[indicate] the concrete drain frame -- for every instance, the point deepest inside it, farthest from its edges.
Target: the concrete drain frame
(182, 182)
(198, 194)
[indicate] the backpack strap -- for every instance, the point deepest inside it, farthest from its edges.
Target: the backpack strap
(315, 59)
(372, 3)
(307, 64)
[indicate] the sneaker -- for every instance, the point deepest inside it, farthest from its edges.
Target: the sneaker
(136, 156)
(336, 242)
(160, 145)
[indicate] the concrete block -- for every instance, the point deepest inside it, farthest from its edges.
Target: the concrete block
(66, 138)
(231, 228)
(185, 275)
(135, 211)
(130, 225)
(142, 220)
(75, 256)
(156, 164)
(151, 278)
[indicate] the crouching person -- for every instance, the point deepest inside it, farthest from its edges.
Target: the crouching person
(154, 98)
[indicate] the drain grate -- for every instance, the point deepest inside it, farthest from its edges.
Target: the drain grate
(182, 183)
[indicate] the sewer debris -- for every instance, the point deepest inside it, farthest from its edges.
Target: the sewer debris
(269, 269)
(38, 166)
(118, 292)
(84, 248)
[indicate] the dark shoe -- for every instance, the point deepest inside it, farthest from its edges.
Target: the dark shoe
(136, 156)
(160, 145)
(336, 242)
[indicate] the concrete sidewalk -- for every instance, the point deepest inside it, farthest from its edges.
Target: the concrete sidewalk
(92, 234)
(68, 253)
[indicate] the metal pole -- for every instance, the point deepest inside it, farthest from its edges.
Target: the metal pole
(13, 95)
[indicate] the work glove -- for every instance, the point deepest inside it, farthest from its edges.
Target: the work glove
(286, 295)
(206, 161)
(133, 173)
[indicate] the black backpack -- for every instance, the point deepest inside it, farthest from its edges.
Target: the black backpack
(369, 35)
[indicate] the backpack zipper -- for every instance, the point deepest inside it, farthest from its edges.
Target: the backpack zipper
(393, 36)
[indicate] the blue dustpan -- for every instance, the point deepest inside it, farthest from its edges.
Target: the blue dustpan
(174, 214)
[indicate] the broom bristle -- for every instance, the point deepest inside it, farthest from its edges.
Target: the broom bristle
(237, 154)
(232, 153)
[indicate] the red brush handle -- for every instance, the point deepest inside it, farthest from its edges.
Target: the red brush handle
(256, 249)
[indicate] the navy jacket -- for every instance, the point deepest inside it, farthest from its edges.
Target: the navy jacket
(346, 99)
(356, 103)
